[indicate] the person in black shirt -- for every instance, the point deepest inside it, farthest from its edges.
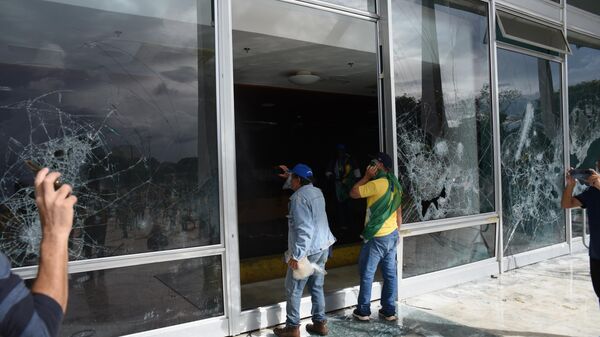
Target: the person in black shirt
(590, 200)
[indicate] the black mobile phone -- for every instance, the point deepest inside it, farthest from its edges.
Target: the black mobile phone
(35, 168)
(581, 175)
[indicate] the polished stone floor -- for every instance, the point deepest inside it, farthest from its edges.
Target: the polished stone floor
(553, 298)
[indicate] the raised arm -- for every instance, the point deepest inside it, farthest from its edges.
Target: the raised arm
(56, 215)
(39, 312)
(370, 172)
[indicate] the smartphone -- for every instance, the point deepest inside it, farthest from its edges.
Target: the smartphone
(581, 175)
(35, 168)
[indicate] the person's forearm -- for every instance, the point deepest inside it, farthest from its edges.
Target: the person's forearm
(361, 182)
(567, 195)
(52, 273)
(354, 193)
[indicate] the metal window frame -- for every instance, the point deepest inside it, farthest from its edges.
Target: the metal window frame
(442, 225)
(339, 9)
(209, 327)
(533, 43)
(496, 133)
(566, 127)
(225, 99)
(528, 52)
(517, 260)
(131, 260)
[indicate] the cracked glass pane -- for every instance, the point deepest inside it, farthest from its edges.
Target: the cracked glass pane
(119, 97)
(443, 108)
(584, 110)
(436, 251)
(532, 151)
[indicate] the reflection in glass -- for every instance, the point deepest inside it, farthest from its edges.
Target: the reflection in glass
(121, 301)
(365, 5)
(121, 99)
(586, 5)
(584, 109)
(437, 251)
(532, 151)
(443, 108)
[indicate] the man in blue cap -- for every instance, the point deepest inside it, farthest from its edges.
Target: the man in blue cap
(309, 237)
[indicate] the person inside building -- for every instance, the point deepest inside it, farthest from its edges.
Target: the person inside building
(344, 173)
(590, 200)
(309, 237)
(380, 236)
(39, 312)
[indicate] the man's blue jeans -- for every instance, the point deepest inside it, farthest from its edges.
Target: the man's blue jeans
(379, 250)
(294, 289)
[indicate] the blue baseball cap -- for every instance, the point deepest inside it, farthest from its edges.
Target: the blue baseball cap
(303, 171)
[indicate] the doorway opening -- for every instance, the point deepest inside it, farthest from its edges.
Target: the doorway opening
(305, 92)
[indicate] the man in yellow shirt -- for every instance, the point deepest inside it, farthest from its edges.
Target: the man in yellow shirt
(380, 236)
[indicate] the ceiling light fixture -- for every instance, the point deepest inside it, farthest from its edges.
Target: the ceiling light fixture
(304, 77)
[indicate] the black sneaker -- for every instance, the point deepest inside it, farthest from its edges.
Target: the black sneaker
(360, 316)
(388, 318)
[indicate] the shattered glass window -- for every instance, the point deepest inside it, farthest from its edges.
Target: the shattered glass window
(441, 62)
(532, 151)
(584, 110)
(119, 97)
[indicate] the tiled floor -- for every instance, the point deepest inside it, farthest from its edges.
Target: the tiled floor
(553, 298)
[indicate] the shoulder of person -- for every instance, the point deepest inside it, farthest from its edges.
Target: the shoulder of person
(4, 266)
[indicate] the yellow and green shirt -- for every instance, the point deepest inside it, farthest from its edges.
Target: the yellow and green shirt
(373, 190)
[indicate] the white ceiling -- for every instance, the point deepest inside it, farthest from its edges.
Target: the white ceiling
(273, 40)
(270, 60)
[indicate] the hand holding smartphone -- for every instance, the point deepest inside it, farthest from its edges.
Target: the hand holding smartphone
(581, 175)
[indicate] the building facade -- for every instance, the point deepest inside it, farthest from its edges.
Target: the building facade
(169, 117)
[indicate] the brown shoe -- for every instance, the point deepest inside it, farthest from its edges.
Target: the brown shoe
(319, 328)
(288, 331)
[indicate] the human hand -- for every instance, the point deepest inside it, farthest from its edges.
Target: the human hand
(293, 264)
(594, 180)
(371, 171)
(570, 180)
(55, 206)
(286, 171)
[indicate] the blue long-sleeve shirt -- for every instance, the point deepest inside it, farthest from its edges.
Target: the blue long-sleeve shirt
(308, 231)
(22, 313)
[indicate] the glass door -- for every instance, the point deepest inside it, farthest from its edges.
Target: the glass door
(305, 90)
(532, 151)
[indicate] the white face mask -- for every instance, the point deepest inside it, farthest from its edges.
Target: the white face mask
(288, 183)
